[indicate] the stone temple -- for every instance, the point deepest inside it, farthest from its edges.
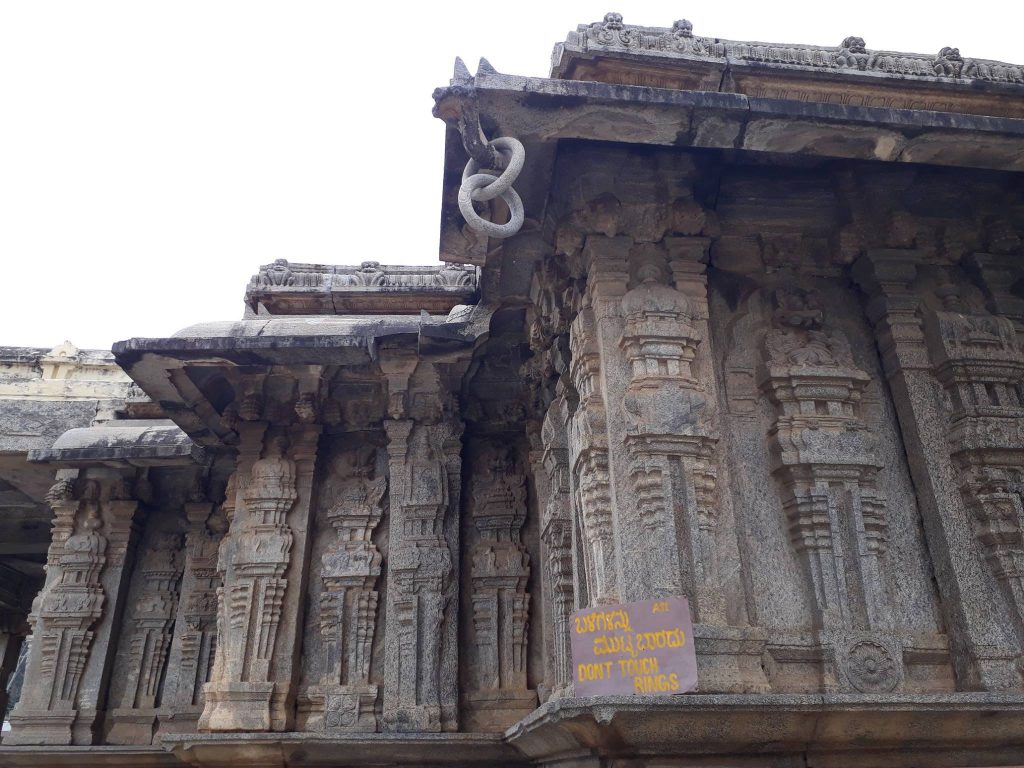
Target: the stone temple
(759, 342)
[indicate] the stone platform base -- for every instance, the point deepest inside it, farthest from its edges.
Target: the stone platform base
(973, 730)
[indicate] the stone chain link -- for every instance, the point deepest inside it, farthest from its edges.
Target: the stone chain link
(481, 187)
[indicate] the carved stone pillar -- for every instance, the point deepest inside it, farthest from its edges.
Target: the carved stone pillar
(260, 604)
(979, 360)
(499, 568)
(421, 647)
(74, 615)
(345, 699)
(195, 630)
(145, 645)
(984, 653)
(588, 455)
(13, 628)
(556, 540)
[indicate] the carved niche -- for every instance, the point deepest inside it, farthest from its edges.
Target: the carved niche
(979, 360)
(824, 455)
(499, 568)
(345, 699)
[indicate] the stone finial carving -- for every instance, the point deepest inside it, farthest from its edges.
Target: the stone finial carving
(345, 699)
(824, 455)
(613, 20)
(682, 28)
(420, 648)
(499, 568)
(949, 62)
(277, 274)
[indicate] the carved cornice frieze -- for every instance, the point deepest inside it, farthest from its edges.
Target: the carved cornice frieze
(283, 288)
(851, 57)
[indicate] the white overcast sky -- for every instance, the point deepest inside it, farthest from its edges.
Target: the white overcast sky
(153, 154)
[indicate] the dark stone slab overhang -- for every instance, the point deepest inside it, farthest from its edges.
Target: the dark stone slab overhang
(540, 112)
(142, 445)
(172, 371)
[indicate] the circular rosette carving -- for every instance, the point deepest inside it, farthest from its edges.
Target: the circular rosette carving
(871, 668)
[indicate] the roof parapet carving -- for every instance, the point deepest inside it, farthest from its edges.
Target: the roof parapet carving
(369, 288)
(851, 56)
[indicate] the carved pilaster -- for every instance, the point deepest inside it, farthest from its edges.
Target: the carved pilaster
(73, 616)
(145, 648)
(345, 699)
(825, 458)
(983, 651)
(421, 663)
(260, 602)
(194, 645)
(499, 568)
(556, 539)
(588, 451)
(980, 363)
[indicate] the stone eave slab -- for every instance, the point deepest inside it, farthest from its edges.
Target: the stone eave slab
(542, 109)
(158, 365)
(119, 444)
(541, 112)
(869, 729)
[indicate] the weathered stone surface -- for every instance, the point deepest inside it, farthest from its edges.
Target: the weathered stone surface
(758, 344)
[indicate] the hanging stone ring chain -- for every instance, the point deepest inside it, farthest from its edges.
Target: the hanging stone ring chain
(481, 187)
